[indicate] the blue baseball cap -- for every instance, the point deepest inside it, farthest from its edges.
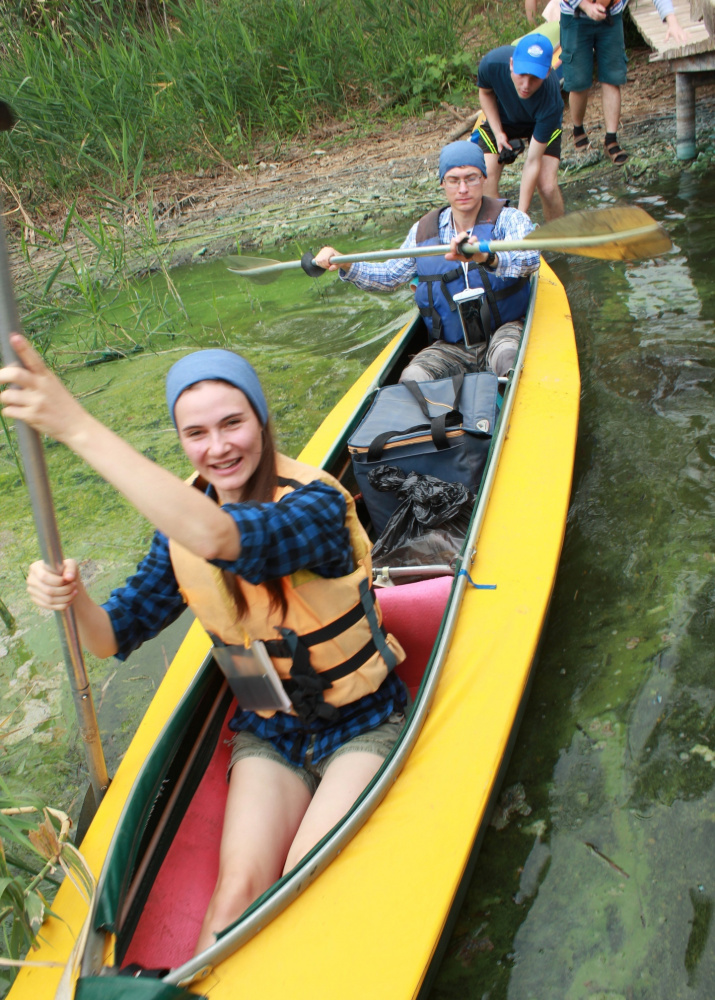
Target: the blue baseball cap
(533, 55)
(461, 154)
(219, 366)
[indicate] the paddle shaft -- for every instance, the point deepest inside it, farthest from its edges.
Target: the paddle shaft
(33, 460)
(569, 244)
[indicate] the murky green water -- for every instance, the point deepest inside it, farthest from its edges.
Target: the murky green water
(606, 888)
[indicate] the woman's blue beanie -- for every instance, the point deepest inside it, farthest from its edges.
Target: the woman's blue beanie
(216, 365)
(461, 154)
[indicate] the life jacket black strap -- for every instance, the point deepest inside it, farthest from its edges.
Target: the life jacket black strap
(490, 318)
(351, 664)
(279, 649)
(305, 685)
(429, 311)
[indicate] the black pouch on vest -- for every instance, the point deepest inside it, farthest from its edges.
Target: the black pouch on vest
(251, 676)
(441, 428)
(473, 309)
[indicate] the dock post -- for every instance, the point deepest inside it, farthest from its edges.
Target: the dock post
(685, 116)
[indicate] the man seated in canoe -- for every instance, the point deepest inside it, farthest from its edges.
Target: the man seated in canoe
(496, 319)
(265, 550)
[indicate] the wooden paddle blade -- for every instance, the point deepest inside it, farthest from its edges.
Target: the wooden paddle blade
(618, 233)
(244, 265)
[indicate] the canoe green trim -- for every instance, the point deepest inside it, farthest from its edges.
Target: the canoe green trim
(126, 988)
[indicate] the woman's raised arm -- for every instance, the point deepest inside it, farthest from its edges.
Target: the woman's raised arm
(36, 396)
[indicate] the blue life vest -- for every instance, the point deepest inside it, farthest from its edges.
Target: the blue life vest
(505, 299)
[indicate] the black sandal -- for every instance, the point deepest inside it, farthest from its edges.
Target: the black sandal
(615, 153)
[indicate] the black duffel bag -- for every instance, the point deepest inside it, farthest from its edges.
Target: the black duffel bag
(441, 428)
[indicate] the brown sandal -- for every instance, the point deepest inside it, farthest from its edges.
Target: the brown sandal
(581, 142)
(615, 153)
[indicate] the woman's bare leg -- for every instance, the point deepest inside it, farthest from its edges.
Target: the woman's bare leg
(265, 806)
(341, 784)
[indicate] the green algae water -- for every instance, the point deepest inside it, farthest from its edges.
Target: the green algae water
(598, 879)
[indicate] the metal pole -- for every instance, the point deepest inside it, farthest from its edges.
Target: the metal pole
(33, 460)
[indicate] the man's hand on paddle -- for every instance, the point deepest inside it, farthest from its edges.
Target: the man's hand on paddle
(35, 395)
(479, 257)
(322, 259)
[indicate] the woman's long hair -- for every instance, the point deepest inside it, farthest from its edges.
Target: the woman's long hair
(260, 489)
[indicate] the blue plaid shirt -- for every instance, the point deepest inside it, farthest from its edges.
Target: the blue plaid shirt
(511, 224)
(304, 530)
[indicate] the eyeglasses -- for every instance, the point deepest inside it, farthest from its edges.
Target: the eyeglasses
(474, 180)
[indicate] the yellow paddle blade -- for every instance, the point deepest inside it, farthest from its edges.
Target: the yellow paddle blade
(618, 233)
(240, 264)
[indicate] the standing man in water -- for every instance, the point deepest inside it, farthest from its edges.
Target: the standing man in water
(503, 277)
(520, 95)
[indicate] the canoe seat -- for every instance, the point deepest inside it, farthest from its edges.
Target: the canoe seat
(413, 613)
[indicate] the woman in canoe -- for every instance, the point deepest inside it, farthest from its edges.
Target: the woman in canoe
(264, 550)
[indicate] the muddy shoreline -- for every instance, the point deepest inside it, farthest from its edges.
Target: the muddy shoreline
(337, 181)
(345, 179)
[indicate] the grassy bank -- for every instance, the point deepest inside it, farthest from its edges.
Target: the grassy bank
(108, 97)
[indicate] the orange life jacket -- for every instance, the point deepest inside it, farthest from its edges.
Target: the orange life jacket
(329, 648)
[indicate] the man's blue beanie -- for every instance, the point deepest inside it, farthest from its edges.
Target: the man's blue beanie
(461, 154)
(216, 365)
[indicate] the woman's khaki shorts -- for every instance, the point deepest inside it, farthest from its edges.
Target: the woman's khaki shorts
(379, 741)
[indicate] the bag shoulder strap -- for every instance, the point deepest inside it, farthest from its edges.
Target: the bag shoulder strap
(437, 425)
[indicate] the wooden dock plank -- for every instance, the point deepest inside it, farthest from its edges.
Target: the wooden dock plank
(653, 30)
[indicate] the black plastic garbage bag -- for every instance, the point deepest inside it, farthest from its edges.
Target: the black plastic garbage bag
(430, 523)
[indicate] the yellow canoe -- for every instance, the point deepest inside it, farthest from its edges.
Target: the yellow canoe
(367, 913)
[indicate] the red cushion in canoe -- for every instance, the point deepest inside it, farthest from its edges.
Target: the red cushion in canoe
(413, 613)
(171, 920)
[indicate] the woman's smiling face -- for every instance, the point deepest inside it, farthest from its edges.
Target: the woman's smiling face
(221, 436)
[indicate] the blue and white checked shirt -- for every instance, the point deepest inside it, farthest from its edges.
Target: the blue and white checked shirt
(304, 530)
(511, 224)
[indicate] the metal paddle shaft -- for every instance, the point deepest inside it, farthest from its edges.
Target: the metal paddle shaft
(617, 233)
(33, 460)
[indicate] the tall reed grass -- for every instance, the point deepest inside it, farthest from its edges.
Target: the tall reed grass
(102, 93)
(96, 257)
(109, 94)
